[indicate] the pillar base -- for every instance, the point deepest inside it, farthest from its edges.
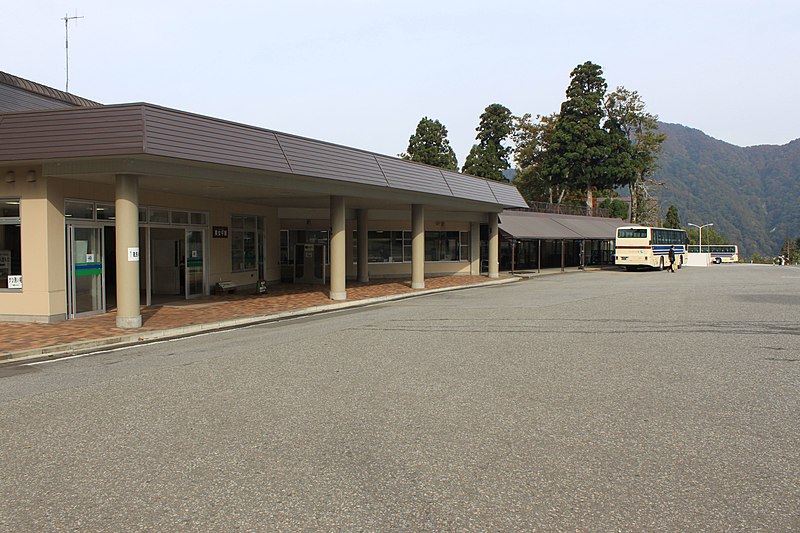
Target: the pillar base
(364, 279)
(417, 285)
(338, 295)
(129, 322)
(493, 275)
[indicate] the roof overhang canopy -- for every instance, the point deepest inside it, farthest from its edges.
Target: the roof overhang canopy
(156, 141)
(527, 225)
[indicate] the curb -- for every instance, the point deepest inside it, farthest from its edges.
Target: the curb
(47, 353)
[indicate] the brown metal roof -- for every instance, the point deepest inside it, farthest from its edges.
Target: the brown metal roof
(145, 129)
(527, 225)
(38, 96)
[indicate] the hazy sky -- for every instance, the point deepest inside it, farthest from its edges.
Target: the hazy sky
(362, 73)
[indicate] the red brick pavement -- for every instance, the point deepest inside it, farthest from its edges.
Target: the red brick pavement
(16, 337)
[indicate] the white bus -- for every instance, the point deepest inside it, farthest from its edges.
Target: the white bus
(720, 253)
(641, 246)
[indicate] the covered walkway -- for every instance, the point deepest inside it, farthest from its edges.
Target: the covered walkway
(535, 241)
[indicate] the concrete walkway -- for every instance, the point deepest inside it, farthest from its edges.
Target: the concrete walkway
(28, 342)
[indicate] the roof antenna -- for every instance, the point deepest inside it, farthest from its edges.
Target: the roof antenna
(66, 20)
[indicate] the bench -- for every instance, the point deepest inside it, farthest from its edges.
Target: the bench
(224, 287)
(229, 287)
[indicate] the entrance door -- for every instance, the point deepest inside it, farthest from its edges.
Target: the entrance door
(85, 294)
(195, 265)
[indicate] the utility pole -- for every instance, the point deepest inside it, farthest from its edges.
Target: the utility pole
(66, 20)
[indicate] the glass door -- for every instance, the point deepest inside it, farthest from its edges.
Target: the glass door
(195, 264)
(85, 293)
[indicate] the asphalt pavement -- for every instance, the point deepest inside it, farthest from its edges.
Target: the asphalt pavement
(593, 401)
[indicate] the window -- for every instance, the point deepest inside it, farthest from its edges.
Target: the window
(464, 251)
(10, 244)
(395, 246)
(105, 211)
(636, 233)
(442, 246)
(79, 210)
(244, 243)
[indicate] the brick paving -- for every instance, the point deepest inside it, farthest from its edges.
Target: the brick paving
(15, 337)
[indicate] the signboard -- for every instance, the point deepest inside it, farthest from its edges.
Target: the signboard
(14, 282)
(219, 232)
(133, 254)
(90, 258)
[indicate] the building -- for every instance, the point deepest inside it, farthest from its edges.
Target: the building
(118, 206)
(535, 240)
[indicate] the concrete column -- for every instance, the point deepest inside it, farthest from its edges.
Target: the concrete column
(363, 255)
(494, 247)
(127, 234)
(475, 248)
(338, 253)
(417, 246)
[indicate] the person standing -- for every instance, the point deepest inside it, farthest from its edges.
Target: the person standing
(672, 259)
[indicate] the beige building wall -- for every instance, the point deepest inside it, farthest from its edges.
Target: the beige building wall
(44, 269)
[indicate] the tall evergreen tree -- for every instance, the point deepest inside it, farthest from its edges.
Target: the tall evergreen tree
(429, 145)
(489, 157)
(586, 150)
(672, 220)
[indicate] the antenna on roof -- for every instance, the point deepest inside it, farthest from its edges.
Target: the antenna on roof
(66, 20)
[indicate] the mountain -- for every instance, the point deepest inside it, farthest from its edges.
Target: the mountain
(751, 194)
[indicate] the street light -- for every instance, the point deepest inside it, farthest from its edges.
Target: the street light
(700, 230)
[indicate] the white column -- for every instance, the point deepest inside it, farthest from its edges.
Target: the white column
(127, 236)
(338, 254)
(417, 246)
(475, 249)
(363, 256)
(494, 247)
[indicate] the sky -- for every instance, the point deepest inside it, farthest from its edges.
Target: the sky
(363, 73)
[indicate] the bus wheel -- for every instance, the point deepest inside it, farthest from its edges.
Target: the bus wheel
(630, 268)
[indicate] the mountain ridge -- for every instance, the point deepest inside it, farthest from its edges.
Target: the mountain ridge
(750, 193)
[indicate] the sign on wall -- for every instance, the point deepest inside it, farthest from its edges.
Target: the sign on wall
(133, 254)
(14, 282)
(219, 232)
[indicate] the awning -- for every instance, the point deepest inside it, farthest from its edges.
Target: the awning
(529, 225)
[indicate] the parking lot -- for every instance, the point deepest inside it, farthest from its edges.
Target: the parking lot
(591, 401)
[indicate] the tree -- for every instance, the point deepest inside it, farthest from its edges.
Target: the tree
(673, 220)
(429, 145)
(587, 149)
(532, 140)
(627, 109)
(616, 207)
(489, 157)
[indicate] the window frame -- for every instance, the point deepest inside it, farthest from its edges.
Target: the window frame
(13, 221)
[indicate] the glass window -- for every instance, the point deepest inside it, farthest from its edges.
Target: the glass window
(379, 246)
(105, 211)
(10, 244)
(142, 214)
(286, 257)
(179, 217)
(464, 251)
(384, 246)
(442, 246)
(159, 216)
(199, 219)
(244, 243)
(79, 210)
(632, 233)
